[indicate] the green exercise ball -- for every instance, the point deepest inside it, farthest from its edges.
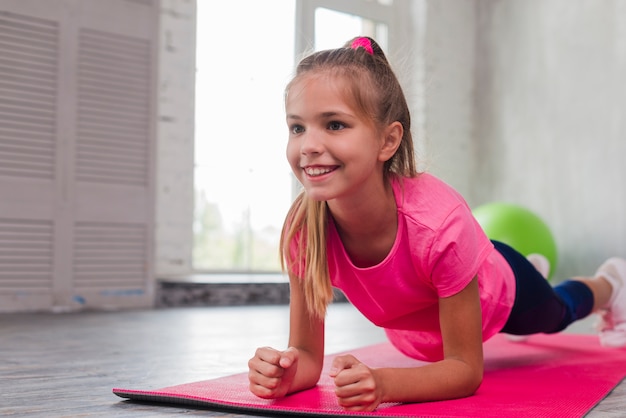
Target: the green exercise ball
(519, 228)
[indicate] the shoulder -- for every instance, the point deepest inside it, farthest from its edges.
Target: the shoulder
(445, 240)
(426, 198)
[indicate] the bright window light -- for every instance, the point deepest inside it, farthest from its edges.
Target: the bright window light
(333, 29)
(242, 180)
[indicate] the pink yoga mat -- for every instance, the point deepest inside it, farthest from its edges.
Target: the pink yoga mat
(561, 375)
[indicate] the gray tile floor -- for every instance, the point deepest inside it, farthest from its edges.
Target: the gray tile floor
(65, 365)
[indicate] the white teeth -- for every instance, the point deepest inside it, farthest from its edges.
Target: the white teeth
(317, 171)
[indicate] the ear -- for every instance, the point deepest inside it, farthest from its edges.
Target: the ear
(392, 136)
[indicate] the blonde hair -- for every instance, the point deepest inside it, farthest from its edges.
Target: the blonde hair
(371, 86)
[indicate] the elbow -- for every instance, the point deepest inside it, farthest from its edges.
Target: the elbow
(465, 390)
(471, 384)
(474, 385)
(466, 383)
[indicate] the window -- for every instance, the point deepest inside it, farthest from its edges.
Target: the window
(245, 57)
(333, 28)
(242, 179)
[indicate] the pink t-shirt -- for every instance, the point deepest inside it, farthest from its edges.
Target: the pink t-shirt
(439, 249)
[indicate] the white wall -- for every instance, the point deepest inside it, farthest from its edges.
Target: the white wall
(545, 125)
(175, 155)
(552, 122)
(447, 118)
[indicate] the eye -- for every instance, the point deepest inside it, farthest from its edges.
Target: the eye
(296, 129)
(336, 126)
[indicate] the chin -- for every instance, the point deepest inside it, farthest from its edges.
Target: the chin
(318, 195)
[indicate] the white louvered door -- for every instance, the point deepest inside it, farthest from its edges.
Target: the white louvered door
(29, 65)
(77, 139)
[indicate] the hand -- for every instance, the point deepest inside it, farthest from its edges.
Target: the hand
(271, 372)
(356, 386)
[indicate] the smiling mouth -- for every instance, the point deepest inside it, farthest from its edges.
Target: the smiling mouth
(317, 171)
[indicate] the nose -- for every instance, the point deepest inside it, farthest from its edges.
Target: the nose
(311, 143)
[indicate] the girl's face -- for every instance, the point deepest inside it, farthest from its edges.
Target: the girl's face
(332, 150)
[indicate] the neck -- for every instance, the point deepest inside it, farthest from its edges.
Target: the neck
(367, 226)
(364, 215)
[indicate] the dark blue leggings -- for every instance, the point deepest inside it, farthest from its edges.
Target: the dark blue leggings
(538, 307)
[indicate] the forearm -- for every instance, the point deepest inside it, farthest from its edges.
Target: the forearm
(447, 379)
(307, 374)
(306, 335)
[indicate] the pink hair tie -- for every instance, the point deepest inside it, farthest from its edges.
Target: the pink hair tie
(364, 43)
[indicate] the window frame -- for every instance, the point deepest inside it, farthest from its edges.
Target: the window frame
(394, 15)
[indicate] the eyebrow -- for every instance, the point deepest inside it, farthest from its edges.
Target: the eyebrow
(333, 114)
(323, 115)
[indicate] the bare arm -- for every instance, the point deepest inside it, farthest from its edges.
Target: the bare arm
(306, 334)
(458, 375)
(273, 373)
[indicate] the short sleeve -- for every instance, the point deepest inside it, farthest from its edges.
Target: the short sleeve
(459, 249)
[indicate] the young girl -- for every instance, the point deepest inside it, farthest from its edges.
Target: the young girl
(402, 246)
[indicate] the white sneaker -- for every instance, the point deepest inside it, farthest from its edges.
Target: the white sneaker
(613, 324)
(542, 264)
